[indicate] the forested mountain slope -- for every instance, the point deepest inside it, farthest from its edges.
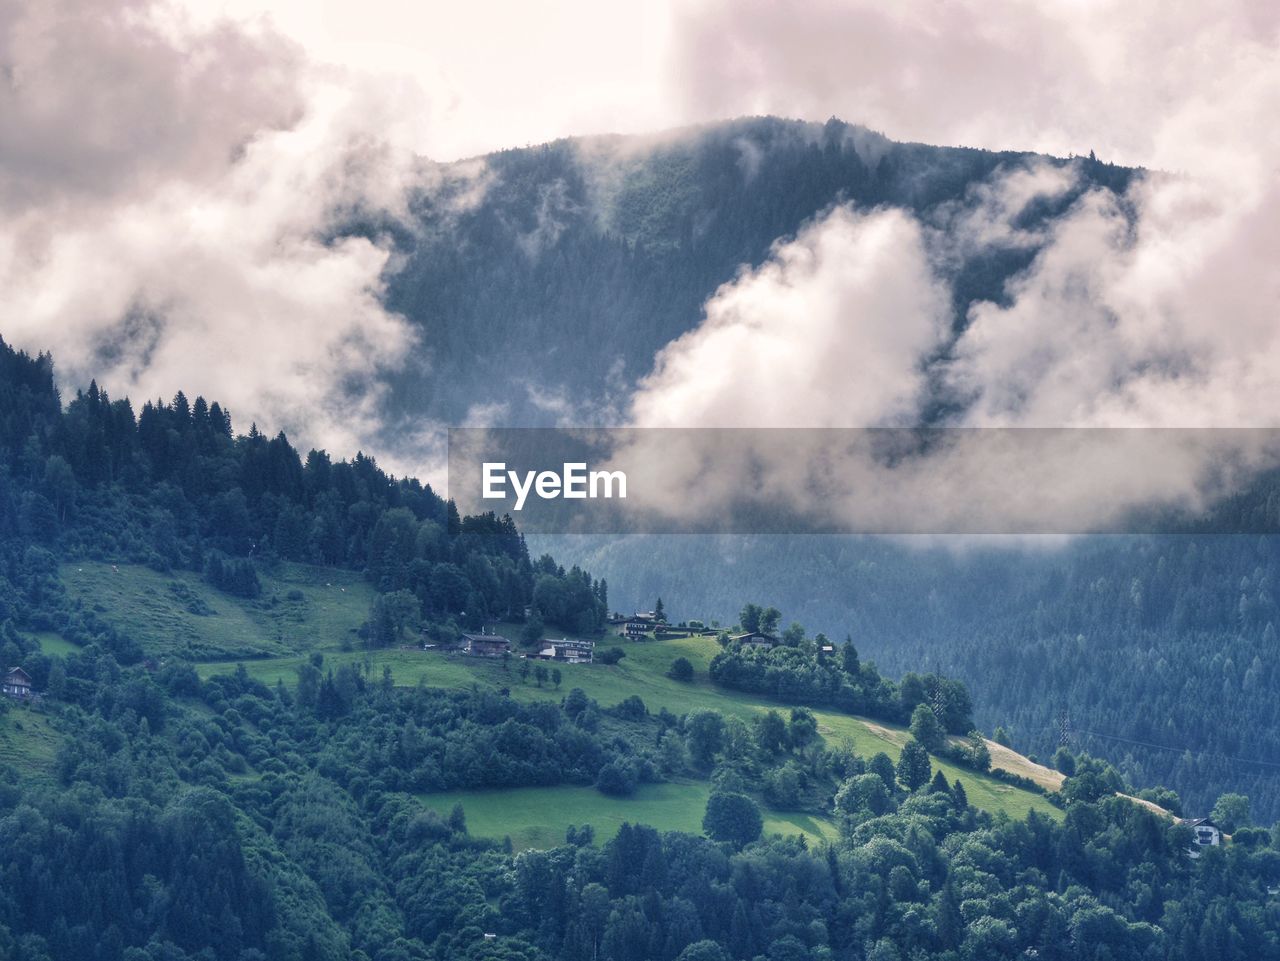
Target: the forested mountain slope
(520, 259)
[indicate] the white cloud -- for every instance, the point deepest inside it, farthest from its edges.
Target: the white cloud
(833, 330)
(171, 193)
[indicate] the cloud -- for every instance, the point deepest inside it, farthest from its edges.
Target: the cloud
(1051, 75)
(1154, 308)
(833, 330)
(175, 201)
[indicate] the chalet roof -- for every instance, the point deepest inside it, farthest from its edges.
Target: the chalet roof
(18, 674)
(491, 638)
(566, 642)
(1198, 822)
(754, 636)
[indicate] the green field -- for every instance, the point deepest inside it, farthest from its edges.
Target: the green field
(28, 741)
(305, 609)
(643, 672)
(53, 643)
(178, 614)
(537, 817)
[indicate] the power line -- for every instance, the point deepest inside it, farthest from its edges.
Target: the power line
(1180, 750)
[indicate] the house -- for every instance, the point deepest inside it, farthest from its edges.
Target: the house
(755, 639)
(667, 633)
(1204, 834)
(17, 683)
(485, 645)
(826, 650)
(571, 652)
(634, 630)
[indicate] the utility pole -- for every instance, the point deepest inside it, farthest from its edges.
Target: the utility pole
(1064, 728)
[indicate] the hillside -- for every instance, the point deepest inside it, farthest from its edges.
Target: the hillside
(1159, 649)
(618, 242)
(239, 749)
(273, 636)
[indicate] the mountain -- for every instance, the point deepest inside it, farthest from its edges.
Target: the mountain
(512, 263)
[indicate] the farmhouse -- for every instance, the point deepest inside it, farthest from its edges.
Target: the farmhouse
(17, 683)
(571, 652)
(485, 645)
(1204, 833)
(755, 639)
(637, 629)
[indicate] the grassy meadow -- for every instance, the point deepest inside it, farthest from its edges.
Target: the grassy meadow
(537, 817)
(304, 610)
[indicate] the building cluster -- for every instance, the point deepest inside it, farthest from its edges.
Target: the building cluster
(495, 645)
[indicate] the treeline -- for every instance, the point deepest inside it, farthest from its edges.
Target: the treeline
(802, 670)
(173, 487)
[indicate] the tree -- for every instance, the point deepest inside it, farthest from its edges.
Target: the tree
(849, 658)
(531, 633)
(733, 818)
(556, 677)
(393, 615)
(524, 671)
(926, 729)
(749, 619)
(771, 732)
(769, 620)
(882, 766)
(617, 779)
(703, 951)
(914, 768)
(802, 729)
(1001, 737)
(1231, 812)
(705, 731)
(681, 670)
(540, 675)
(1063, 760)
(672, 756)
(979, 753)
(659, 612)
(862, 796)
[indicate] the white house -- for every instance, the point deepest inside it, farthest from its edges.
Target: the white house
(1204, 834)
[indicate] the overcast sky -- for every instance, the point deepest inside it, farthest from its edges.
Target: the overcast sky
(1051, 75)
(168, 170)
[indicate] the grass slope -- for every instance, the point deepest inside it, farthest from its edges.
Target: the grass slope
(643, 672)
(537, 817)
(307, 609)
(29, 741)
(178, 614)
